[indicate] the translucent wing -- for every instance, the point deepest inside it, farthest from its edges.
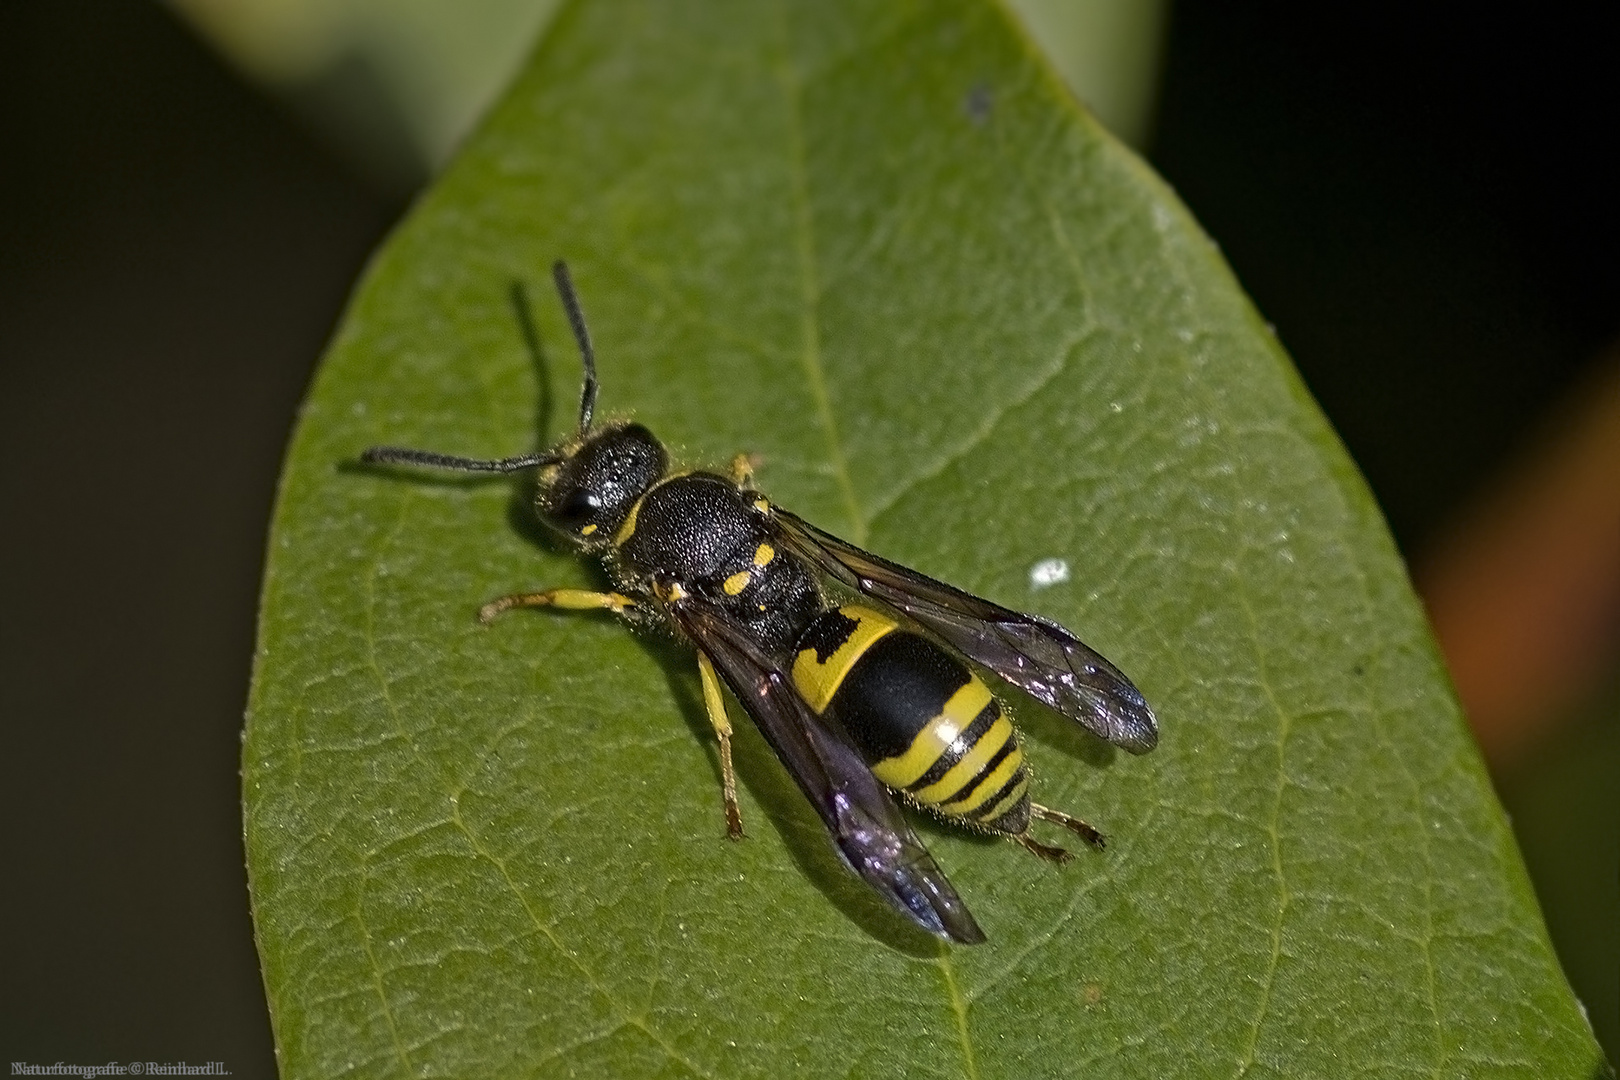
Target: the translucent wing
(868, 830)
(1034, 654)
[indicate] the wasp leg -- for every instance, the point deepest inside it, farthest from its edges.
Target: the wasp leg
(1073, 824)
(569, 599)
(1045, 851)
(722, 728)
(742, 469)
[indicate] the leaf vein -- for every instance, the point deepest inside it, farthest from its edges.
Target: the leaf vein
(1273, 830)
(959, 1009)
(452, 795)
(992, 418)
(393, 714)
(809, 282)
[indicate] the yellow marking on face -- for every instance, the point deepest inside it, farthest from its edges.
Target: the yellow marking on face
(987, 787)
(935, 738)
(587, 530)
(763, 555)
(819, 680)
(673, 592)
(737, 582)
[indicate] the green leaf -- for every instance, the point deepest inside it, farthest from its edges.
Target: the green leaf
(881, 248)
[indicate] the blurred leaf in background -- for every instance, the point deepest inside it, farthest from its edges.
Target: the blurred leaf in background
(396, 84)
(1524, 592)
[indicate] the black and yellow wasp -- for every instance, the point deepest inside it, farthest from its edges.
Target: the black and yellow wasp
(856, 702)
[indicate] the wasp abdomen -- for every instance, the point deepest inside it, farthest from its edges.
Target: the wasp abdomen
(926, 724)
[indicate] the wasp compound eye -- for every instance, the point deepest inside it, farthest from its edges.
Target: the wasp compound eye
(595, 488)
(580, 506)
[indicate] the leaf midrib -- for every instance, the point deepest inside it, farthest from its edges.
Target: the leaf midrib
(788, 78)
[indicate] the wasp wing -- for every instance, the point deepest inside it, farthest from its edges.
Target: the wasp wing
(868, 830)
(1034, 654)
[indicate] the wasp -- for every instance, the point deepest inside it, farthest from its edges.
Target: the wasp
(860, 703)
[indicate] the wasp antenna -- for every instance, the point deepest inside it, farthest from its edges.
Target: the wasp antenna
(398, 455)
(576, 319)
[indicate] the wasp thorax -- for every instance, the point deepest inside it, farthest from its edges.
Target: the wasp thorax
(589, 493)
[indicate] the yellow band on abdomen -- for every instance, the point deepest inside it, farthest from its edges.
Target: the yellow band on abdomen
(972, 764)
(817, 679)
(936, 737)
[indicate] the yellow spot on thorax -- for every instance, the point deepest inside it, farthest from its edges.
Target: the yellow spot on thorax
(737, 582)
(628, 529)
(587, 530)
(763, 555)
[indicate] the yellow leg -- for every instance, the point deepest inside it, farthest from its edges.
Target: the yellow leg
(569, 599)
(742, 469)
(722, 727)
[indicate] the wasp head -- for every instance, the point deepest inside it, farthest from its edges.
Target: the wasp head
(587, 493)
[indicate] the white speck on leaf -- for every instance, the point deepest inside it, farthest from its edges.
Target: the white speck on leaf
(1048, 572)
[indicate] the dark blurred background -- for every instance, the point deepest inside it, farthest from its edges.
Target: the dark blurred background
(1422, 198)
